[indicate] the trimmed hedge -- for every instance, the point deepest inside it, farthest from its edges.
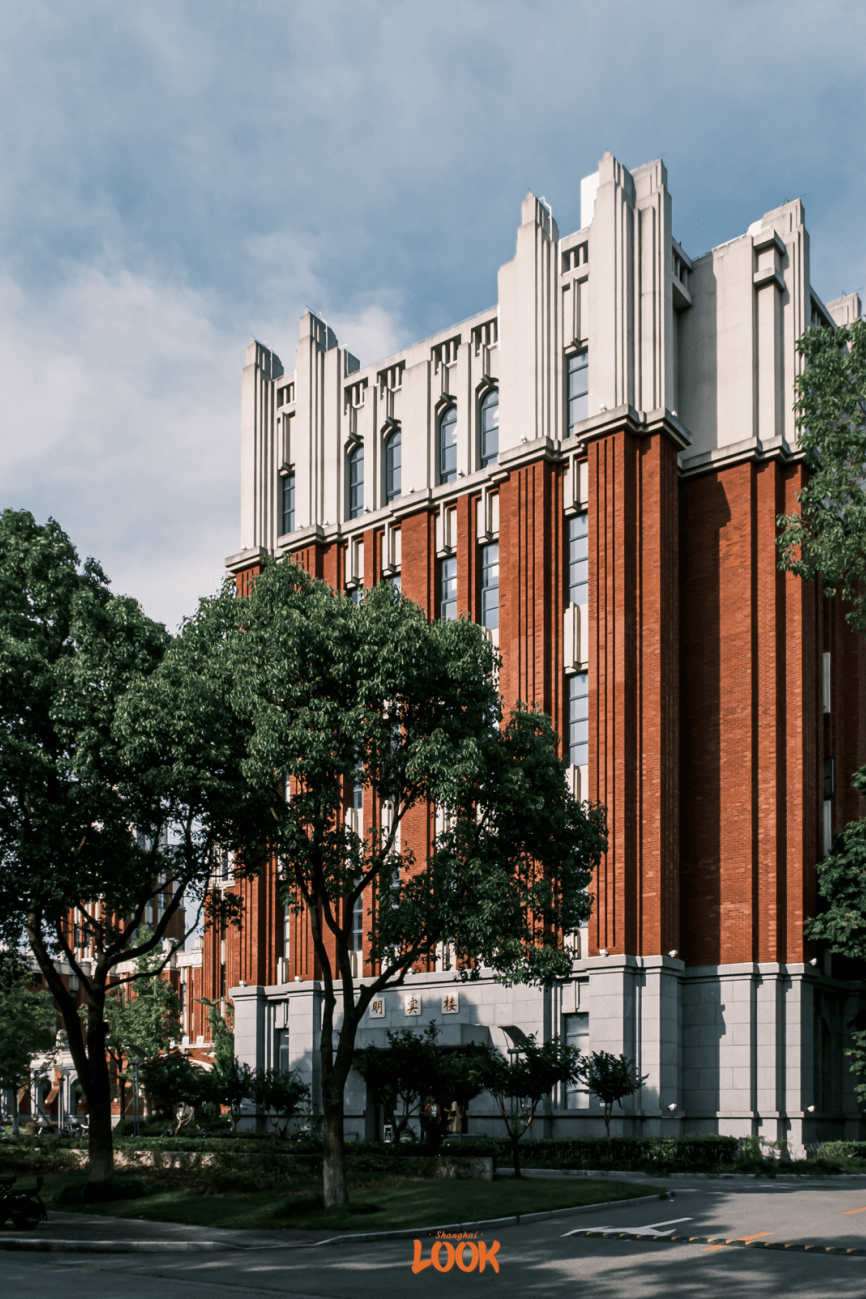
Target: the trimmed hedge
(118, 1188)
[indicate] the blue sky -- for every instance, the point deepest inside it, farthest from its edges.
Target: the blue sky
(179, 176)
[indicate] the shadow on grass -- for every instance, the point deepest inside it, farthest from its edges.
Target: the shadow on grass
(382, 1207)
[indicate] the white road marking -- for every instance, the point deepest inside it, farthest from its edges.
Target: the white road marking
(631, 1231)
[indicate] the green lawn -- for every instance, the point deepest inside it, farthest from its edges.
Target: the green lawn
(408, 1204)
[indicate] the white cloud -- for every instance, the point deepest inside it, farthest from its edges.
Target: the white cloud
(120, 418)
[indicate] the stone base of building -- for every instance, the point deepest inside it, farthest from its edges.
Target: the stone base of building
(751, 1050)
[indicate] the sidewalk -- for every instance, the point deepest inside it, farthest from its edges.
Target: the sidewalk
(96, 1234)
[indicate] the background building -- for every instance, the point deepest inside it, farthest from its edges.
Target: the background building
(592, 468)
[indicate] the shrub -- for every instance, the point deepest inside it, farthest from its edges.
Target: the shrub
(118, 1188)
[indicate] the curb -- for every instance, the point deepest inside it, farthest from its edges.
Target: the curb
(513, 1220)
(207, 1246)
(29, 1243)
(739, 1241)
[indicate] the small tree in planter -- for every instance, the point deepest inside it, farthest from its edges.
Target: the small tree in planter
(416, 1077)
(231, 1085)
(400, 1074)
(519, 1083)
(611, 1079)
(280, 1095)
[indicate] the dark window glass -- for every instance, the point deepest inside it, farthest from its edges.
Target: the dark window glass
(448, 588)
(358, 787)
(356, 940)
(578, 719)
(288, 501)
(283, 1050)
(490, 585)
(578, 388)
(355, 483)
(490, 428)
(448, 445)
(577, 564)
(392, 466)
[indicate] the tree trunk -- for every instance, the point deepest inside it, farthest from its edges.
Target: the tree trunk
(100, 1140)
(121, 1092)
(15, 1111)
(334, 1160)
(607, 1130)
(514, 1155)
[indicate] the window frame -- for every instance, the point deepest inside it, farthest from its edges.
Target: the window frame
(288, 483)
(449, 414)
(440, 602)
(393, 438)
(486, 587)
(486, 458)
(580, 353)
(354, 502)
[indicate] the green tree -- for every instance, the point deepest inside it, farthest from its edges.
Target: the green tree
(611, 1078)
(143, 1017)
(28, 1025)
(231, 1084)
(120, 781)
(827, 541)
(416, 1078)
(841, 924)
(280, 1095)
(171, 1082)
(827, 538)
(332, 692)
(518, 1084)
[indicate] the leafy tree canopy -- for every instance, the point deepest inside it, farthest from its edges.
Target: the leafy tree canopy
(611, 1078)
(416, 1078)
(519, 1083)
(28, 1024)
(120, 779)
(333, 693)
(827, 539)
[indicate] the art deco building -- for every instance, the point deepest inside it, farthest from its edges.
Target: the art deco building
(592, 468)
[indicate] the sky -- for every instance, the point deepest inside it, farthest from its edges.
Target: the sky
(178, 177)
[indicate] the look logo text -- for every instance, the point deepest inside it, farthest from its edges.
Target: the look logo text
(468, 1254)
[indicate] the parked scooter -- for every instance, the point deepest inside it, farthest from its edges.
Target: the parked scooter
(24, 1206)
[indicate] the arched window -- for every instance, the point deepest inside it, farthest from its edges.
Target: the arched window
(392, 465)
(355, 481)
(448, 445)
(489, 419)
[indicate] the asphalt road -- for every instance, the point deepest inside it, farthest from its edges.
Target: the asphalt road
(534, 1259)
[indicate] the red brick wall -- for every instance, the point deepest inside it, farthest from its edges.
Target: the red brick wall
(706, 733)
(633, 690)
(751, 748)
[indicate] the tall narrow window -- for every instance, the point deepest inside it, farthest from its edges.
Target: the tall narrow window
(284, 936)
(358, 788)
(578, 388)
(282, 1050)
(489, 427)
(356, 938)
(448, 588)
(578, 719)
(490, 585)
(577, 560)
(287, 503)
(392, 465)
(355, 481)
(448, 445)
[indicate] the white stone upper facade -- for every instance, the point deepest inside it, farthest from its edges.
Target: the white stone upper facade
(707, 346)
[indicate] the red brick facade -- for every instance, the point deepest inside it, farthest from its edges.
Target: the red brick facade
(707, 735)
